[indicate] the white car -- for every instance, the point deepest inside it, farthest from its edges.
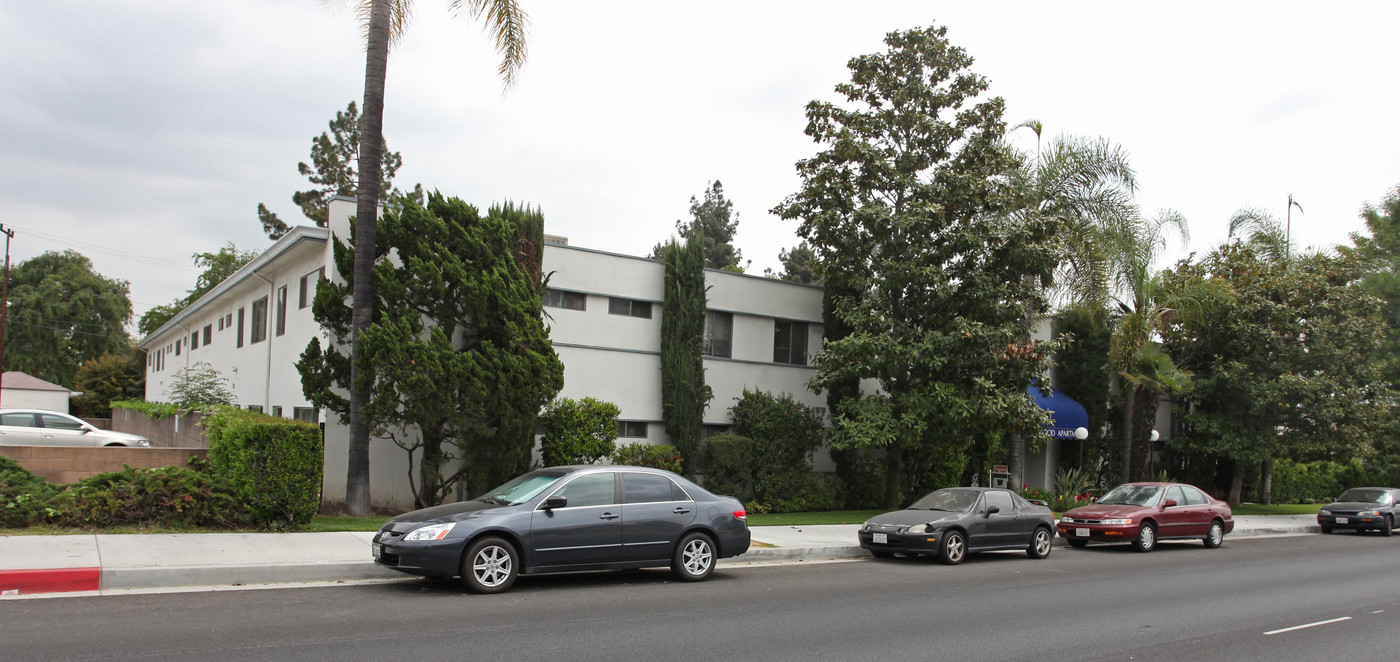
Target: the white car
(41, 427)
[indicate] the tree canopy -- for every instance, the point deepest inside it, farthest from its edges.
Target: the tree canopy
(332, 172)
(911, 202)
(62, 313)
(458, 361)
(218, 266)
(715, 221)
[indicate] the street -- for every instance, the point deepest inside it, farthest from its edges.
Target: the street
(1179, 602)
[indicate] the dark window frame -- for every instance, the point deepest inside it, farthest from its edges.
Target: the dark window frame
(716, 344)
(208, 334)
(628, 429)
(282, 311)
(790, 342)
(564, 299)
(258, 331)
(240, 327)
(629, 307)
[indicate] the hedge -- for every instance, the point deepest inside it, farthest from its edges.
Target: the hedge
(273, 465)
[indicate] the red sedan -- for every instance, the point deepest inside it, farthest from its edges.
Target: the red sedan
(1147, 512)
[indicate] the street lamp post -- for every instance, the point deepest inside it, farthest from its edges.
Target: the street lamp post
(1081, 434)
(4, 300)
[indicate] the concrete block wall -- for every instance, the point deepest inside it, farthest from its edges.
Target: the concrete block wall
(69, 464)
(182, 431)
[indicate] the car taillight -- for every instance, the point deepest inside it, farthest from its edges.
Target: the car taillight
(741, 514)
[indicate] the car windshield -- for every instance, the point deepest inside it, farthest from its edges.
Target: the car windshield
(951, 500)
(1132, 495)
(522, 488)
(1363, 496)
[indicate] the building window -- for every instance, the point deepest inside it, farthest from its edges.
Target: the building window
(208, 334)
(240, 327)
(790, 342)
(228, 320)
(256, 408)
(308, 287)
(629, 307)
(277, 411)
(562, 299)
(282, 310)
(632, 429)
(707, 431)
(194, 341)
(719, 334)
(177, 346)
(259, 331)
(308, 414)
(221, 322)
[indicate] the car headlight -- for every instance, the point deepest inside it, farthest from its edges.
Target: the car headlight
(431, 532)
(1066, 519)
(1369, 513)
(145, 443)
(918, 528)
(1121, 521)
(1324, 511)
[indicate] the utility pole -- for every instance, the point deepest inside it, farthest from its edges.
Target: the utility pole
(5, 299)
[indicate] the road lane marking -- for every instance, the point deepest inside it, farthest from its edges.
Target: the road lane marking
(1309, 625)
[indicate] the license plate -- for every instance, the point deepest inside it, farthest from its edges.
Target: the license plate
(1081, 533)
(378, 550)
(879, 538)
(1341, 520)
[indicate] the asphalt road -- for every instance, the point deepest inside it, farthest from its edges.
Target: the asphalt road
(1179, 602)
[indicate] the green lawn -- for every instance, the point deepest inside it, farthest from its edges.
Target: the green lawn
(809, 519)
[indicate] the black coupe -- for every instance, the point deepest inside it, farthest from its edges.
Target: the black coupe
(951, 522)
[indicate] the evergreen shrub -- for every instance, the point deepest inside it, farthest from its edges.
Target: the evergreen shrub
(648, 455)
(274, 465)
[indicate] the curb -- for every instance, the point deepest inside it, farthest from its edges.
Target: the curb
(52, 580)
(234, 575)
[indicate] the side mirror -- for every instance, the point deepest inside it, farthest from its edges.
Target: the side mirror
(555, 502)
(1169, 503)
(992, 510)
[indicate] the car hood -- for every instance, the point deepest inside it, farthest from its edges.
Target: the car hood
(1105, 511)
(911, 517)
(1353, 505)
(123, 436)
(447, 512)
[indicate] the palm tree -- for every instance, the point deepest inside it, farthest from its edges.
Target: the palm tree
(1087, 186)
(384, 22)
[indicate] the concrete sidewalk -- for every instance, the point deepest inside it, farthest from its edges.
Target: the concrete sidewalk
(113, 564)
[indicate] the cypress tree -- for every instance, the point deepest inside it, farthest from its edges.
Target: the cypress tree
(684, 395)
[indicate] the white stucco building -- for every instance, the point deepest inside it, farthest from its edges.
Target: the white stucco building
(604, 314)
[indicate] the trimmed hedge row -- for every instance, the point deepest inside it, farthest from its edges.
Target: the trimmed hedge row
(273, 465)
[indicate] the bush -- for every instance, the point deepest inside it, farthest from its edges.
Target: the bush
(648, 455)
(168, 495)
(785, 433)
(1311, 482)
(860, 479)
(24, 496)
(577, 431)
(273, 465)
(728, 458)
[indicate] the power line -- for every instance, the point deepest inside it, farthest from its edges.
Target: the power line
(142, 259)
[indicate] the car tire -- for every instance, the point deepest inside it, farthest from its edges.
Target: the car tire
(1387, 526)
(694, 559)
(1216, 535)
(1146, 539)
(1041, 542)
(954, 548)
(1077, 544)
(490, 565)
(1327, 529)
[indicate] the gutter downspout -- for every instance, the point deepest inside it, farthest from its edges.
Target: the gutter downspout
(267, 319)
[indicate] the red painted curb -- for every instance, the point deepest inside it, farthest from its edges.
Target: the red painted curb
(57, 580)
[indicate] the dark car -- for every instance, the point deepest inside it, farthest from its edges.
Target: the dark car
(1362, 508)
(565, 519)
(1147, 512)
(953, 521)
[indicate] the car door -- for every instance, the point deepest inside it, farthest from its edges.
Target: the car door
(60, 430)
(1174, 520)
(654, 513)
(586, 530)
(19, 428)
(1198, 505)
(998, 528)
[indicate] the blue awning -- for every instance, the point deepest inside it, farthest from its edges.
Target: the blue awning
(1066, 414)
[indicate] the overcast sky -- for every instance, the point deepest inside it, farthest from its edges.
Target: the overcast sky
(139, 132)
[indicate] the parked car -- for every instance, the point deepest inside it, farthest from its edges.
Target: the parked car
(1362, 508)
(564, 519)
(951, 522)
(1147, 512)
(41, 427)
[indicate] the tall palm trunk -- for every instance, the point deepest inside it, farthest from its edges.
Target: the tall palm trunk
(1128, 406)
(357, 501)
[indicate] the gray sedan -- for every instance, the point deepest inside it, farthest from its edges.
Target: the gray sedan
(564, 519)
(951, 522)
(41, 427)
(1362, 508)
